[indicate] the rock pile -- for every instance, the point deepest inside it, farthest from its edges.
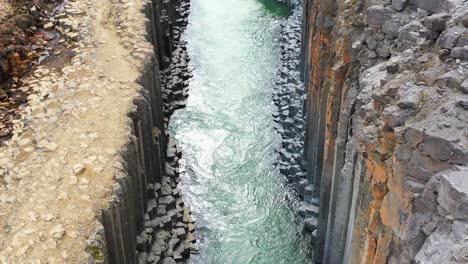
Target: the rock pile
(289, 98)
(176, 77)
(167, 237)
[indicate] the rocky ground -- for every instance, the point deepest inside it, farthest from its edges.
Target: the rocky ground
(31, 33)
(61, 155)
(387, 82)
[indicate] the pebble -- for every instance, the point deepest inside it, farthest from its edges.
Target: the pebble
(58, 231)
(47, 217)
(48, 25)
(78, 169)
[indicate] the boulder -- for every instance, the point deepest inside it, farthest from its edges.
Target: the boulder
(436, 22)
(451, 79)
(465, 19)
(433, 6)
(409, 96)
(311, 223)
(391, 28)
(399, 5)
(377, 15)
(449, 38)
(464, 87)
(453, 193)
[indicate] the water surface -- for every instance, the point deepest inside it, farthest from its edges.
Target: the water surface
(241, 203)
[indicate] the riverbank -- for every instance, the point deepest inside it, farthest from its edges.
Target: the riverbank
(289, 97)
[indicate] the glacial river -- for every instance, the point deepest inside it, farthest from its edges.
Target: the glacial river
(241, 203)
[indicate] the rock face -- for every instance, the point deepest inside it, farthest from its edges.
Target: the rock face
(90, 174)
(386, 134)
(160, 233)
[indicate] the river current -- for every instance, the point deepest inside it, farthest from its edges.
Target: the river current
(244, 210)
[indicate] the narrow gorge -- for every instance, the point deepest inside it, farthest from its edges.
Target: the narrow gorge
(235, 131)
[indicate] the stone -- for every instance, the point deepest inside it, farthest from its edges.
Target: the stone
(72, 35)
(193, 249)
(399, 5)
(462, 103)
(436, 22)
(180, 232)
(465, 19)
(451, 79)
(191, 227)
(410, 32)
(48, 25)
(191, 238)
(453, 193)
(392, 68)
(391, 28)
(409, 96)
(311, 223)
(394, 116)
(51, 146)
(377, 15)
(449, 38)
(58, 231)
(383, 50)
(464, 87)
(459, 53)
(428, 34)
(436, 147)
(47, 216)
(371, 43)
(314, 236)
(168, 260)
(462, 41)
(308, 192)
(443, 54)
(78, 169)
(433, 6)
(166, 200)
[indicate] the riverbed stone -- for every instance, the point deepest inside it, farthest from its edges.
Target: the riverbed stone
(311, 223)
(168, 260)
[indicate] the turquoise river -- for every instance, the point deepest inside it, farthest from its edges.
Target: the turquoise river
(242, 205)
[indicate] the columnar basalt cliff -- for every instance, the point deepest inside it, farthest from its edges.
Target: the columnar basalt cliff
(90, 174)
(387, 129)
(289, 96)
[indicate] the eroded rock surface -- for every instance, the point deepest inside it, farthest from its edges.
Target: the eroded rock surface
(387, 142)
(89, 174)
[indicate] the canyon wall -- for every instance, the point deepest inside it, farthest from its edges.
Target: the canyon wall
(387, 129)
(90, 174)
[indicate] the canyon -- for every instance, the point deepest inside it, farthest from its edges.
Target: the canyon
(313, 131)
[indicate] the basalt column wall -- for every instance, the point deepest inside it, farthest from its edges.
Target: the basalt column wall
(144, 206)
(386, 142)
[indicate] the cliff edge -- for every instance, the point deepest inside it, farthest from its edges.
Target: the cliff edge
(387, 142)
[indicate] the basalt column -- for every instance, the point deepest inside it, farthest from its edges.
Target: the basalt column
(386, 141)
(327, 67)
(148, 221)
